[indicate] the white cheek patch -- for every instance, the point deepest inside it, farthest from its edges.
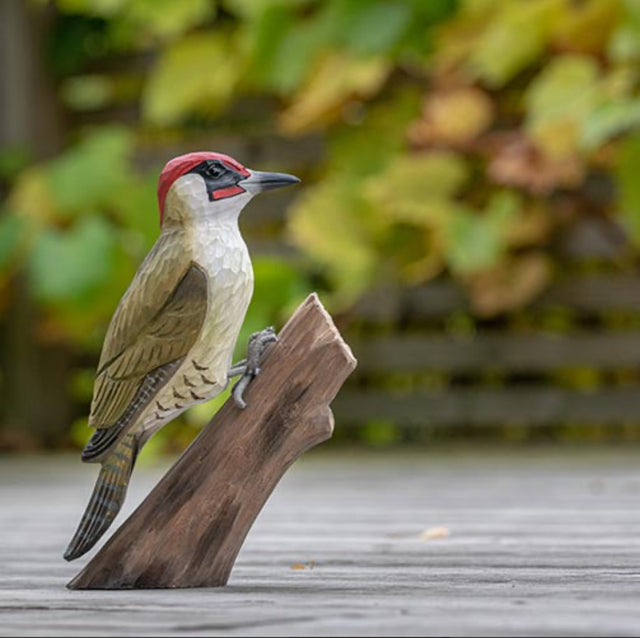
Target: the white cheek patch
(188, 200)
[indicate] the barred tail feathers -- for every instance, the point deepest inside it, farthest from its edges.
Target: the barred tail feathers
(107, 497)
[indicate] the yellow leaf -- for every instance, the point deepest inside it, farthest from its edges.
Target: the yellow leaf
(459, 36)
(196, 74)
(418, 188)
(332, 228)
(585, 26)
(338, 79)
(452, 117)
(31, 197)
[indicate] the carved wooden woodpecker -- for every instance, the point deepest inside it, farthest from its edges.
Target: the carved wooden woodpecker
(170, 342)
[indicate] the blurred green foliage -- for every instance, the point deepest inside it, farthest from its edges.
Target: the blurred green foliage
(450, 127)
(523, 100)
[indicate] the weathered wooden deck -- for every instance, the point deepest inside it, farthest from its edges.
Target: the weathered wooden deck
(541, 543)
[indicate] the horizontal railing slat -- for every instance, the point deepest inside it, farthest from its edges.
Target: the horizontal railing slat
(532, 406)
(583, 293)
(509, 352)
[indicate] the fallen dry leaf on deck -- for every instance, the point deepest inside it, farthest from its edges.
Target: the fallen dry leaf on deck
(434, 532)
(299, 566)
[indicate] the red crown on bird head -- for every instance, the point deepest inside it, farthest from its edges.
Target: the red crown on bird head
(179, 166)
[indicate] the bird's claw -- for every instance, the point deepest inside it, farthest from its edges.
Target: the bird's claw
(258, 343)
(238, 390)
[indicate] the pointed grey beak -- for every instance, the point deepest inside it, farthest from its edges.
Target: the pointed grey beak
(259, 181)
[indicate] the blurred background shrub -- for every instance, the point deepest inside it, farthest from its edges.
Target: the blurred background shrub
(487, 146)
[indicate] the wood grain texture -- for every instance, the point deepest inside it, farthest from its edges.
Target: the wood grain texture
(189, 530)
(543, 541)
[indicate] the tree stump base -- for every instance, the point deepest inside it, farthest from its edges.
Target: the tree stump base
(190, 528)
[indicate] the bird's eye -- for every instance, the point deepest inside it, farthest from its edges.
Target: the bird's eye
(214, 171)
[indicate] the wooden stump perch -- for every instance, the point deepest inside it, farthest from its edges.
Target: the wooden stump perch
(189, 530)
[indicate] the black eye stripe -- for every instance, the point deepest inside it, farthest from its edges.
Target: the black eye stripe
(217, 176)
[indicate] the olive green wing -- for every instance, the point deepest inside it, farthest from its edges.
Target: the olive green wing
(156, 324)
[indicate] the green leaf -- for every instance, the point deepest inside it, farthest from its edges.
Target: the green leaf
(368, 146)
(294, 59)
(624, 45)
(477, 241)
(381, 433)
(103, 8)
(279, 287)
(278, 284)
(87, 92)
(609, 119)
(418, 42)
(434, 11)
(627, 171)
(502, 210)
(281, 48)
(73, 264)
(197, 74)
(93, 172)
(473, 243)
(13, 159)
(559, 101)
(137, 211)
(377, 27)
(252, 9)
(168, 18)
(516, 36)
(11, 235)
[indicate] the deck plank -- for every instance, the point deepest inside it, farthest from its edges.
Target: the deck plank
(541, 543)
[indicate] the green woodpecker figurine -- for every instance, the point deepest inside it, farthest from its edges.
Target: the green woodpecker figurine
(170, 342)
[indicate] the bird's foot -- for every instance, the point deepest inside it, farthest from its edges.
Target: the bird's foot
(249, 368)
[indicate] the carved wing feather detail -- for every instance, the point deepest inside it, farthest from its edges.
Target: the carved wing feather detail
(154, 326)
